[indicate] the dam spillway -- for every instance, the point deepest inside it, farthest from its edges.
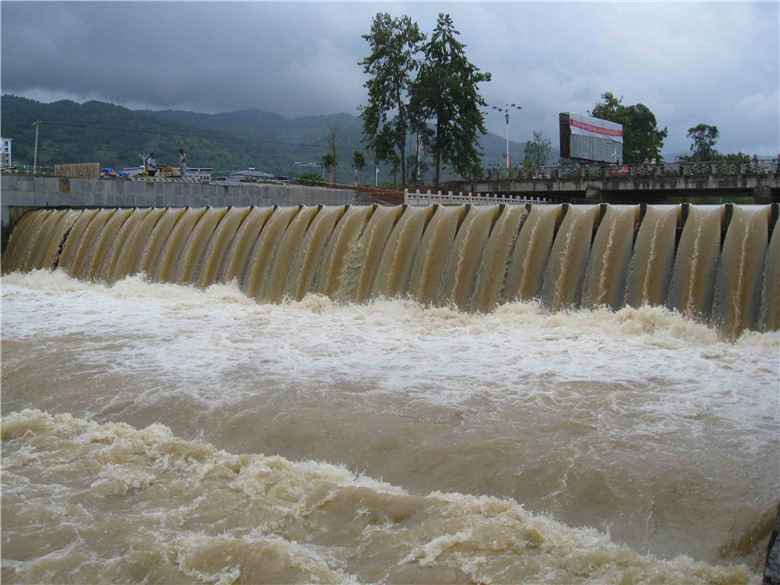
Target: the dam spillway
(717, 264)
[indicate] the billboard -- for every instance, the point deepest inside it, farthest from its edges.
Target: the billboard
(590, 139)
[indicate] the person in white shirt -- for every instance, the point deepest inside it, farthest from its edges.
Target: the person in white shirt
(151, 165)
(182, 163)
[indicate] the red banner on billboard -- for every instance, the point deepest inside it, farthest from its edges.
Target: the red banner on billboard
(596, 128)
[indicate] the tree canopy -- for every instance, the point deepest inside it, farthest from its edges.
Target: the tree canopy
(704, 138)
(641, 137)
(446, 93)
(331, 158)
(391, 64)
(537, 151)
(358, 163)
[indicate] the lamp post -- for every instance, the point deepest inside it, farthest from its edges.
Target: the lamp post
(35, 156)
(506, 108)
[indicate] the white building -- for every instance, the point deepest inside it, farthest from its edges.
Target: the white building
(6, 162)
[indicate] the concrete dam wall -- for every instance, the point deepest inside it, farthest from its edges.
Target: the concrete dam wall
(23, 193)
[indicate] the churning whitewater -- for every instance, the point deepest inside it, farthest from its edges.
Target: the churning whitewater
(157, 432)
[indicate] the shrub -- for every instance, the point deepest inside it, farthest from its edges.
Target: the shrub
(310, 179)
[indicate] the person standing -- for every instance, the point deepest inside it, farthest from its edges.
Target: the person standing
(151, 165)
(182, 163)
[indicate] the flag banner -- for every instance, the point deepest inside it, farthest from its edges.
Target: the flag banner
(595, 128)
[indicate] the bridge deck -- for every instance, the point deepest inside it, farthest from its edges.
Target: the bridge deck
(631, 183)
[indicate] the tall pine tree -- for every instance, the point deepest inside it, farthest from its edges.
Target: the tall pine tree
(446, 94)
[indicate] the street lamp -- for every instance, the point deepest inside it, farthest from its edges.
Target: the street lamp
(506, 108)
(35, 156)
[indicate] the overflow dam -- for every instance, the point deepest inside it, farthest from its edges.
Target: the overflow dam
(717, 264)
(22, 193)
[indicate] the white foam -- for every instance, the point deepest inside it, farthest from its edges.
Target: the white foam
(201, 338)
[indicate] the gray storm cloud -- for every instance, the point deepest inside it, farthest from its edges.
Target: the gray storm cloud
(689, 63)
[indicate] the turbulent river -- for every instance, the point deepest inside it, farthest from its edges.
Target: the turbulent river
(162, 433)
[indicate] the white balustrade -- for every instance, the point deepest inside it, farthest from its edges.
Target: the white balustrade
(416, 198)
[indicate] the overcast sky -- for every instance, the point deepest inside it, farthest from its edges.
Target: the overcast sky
(690, 63)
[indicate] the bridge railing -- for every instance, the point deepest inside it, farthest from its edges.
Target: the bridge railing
(629, 171)
(449, 198)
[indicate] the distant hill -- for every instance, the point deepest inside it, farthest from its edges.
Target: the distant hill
(115, 136)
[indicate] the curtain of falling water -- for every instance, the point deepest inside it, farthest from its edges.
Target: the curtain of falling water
(198, 239)
(566, 268)
(73, 241)
(605, 280)
(22, 239)
(770, 294)
(459, 278)
(276, 276)
(159, 235)
(693, 277)
(341, 267)
(52, 240)
(265, 248)
(369, 251)
(91, 269)
(491, 279)
(651, 263)
(213, 257)
(433, 252)
(740, 271)
(124, 242)
(310, 252)
(399, 253)
(90, 241)
(471, 257)
(529, 258)
(237, 258)
(45, 226)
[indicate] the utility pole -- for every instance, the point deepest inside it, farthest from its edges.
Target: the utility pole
(35, 156)
(506, 109)
(417, 162)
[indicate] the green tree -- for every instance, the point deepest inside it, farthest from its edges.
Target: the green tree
(537, 151)
(395, 164)
(332, 157)
(704, 138)
(358, 163)
(312, 179)
(446, 93)
(329, 163)
(641, 137)
(394, 42)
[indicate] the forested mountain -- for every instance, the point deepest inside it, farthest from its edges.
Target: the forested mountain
(115, 136)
